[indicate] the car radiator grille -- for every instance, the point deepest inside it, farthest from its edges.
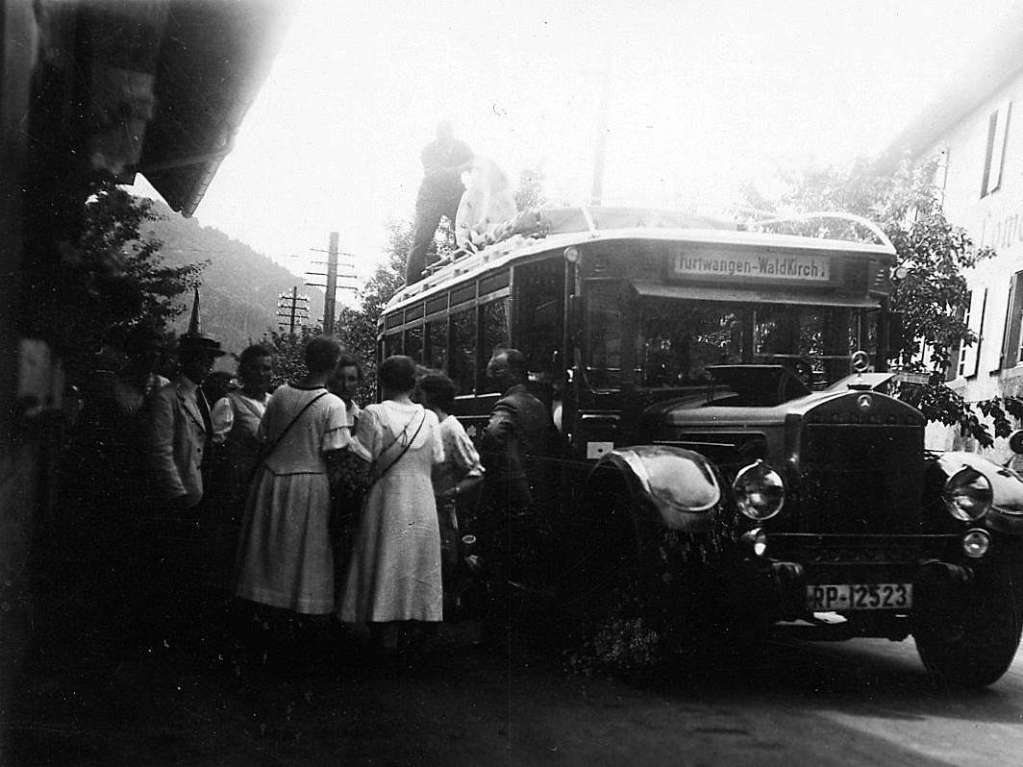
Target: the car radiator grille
(859, 478)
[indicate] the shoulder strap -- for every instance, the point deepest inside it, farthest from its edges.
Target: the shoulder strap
(379, 474)
(269, 448)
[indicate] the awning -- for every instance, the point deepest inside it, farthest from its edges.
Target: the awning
(213, 59)
(750, 295)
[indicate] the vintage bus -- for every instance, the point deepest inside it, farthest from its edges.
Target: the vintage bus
(731, 454)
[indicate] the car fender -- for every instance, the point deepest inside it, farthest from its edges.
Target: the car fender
(679, 484)
(1006, 513)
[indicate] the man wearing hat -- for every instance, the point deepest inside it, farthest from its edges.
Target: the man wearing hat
(180, 426)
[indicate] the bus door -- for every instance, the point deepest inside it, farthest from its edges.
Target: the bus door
(605, 366)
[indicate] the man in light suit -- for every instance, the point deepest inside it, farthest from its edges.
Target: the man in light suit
(180, 427)
(171, 536)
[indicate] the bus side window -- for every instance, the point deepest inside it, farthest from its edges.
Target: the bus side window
(494, 335)
(463, 350)
(437, 344)
(392, 344)
(606, 335)
(414, 343)
(539, 318)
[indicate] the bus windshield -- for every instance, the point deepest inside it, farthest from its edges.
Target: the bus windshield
(669, 342)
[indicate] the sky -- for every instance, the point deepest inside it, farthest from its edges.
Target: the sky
(694, 98)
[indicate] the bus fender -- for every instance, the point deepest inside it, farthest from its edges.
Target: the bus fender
(679, 484)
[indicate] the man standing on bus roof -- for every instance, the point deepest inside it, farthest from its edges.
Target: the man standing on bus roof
(444, 160)
(514, 449)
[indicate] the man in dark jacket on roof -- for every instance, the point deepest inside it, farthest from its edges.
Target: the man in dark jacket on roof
(444, 160)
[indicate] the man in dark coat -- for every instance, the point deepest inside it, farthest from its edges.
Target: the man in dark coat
(444, 160)
(512, 522)
(517, 436)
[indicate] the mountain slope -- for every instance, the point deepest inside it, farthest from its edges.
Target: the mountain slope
(240, 287)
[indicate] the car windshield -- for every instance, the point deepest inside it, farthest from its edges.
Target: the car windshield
(667, 342)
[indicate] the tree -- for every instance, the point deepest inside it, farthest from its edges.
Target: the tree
(357, 328)
(930, 292)
(110, 279)
(289, 354)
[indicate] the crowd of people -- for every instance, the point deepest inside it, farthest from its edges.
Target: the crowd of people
(301, 509)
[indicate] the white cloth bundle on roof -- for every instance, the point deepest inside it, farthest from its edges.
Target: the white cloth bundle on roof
(487, 203)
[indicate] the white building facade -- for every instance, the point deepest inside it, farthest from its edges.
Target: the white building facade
(976, 133)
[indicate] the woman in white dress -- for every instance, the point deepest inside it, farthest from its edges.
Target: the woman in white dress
(285, 559)
(395, 573)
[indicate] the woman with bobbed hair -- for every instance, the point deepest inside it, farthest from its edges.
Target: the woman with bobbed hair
(345, 382)
(458, 476)
(285, 555)
(394, 576)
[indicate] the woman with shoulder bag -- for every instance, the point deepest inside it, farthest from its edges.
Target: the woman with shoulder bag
(285, 559)
(394, 577)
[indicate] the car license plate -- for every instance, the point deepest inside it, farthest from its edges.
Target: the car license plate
(824, 597)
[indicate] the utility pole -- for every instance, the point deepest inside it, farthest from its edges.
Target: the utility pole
(331, 285)
(293, 308)
(330, 299)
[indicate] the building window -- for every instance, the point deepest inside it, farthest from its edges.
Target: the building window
(973, 318)
(1013, 317)
(994, 158)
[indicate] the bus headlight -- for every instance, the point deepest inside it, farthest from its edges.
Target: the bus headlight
(759, 491)
(967, 495)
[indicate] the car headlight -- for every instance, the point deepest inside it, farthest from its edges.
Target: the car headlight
(759, 491)
(967, 495)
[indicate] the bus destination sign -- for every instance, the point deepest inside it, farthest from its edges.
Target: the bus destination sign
(802, 268)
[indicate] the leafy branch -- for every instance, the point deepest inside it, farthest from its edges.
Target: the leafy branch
(930, 293)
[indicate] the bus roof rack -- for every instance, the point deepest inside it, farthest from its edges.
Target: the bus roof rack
(880, 237)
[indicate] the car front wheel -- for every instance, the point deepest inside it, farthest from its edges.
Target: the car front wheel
(974, 645)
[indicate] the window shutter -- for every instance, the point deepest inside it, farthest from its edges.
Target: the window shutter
(977, 326)
(957, 355)
(1010, 336)
(994, 158)
(969, 356)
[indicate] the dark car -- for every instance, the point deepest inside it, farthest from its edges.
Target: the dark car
(762, 504)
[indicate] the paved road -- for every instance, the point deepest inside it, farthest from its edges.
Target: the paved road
(863, 702)
(866, 702)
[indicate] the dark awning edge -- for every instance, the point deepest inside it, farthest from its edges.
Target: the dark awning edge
(214, 58)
